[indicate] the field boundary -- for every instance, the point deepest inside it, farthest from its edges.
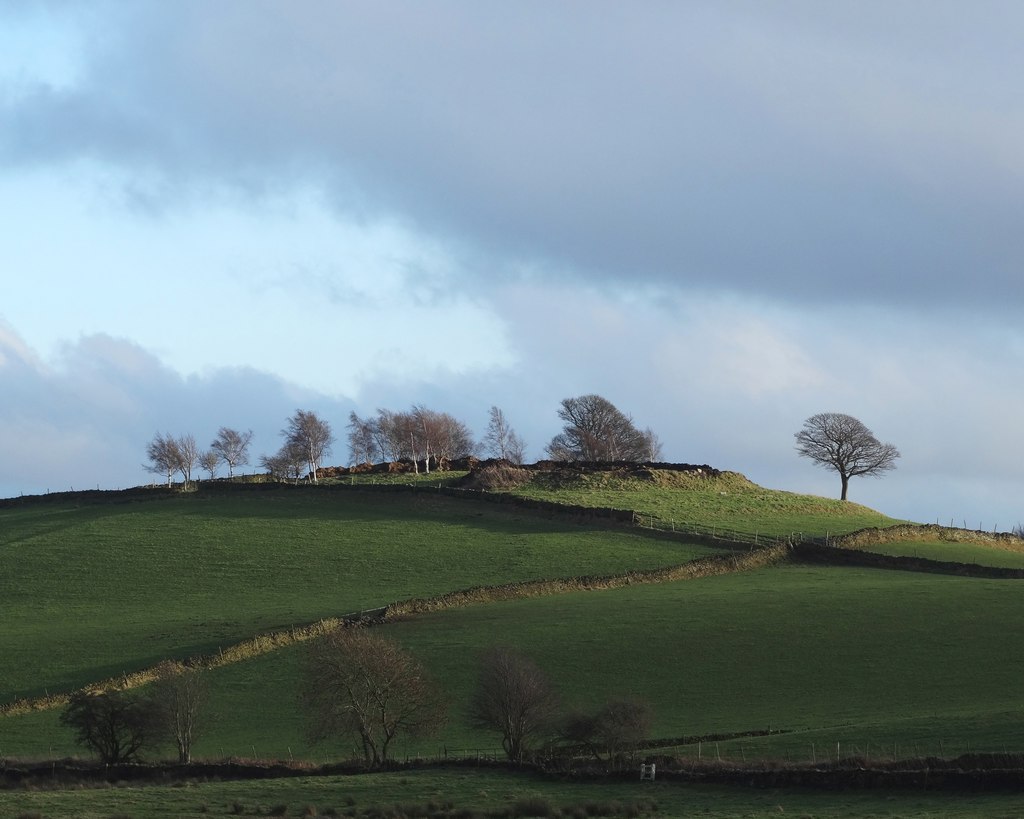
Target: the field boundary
(817, 552)
(261, 644)
(970, 772)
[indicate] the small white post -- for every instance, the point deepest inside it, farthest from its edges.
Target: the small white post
(647, 772)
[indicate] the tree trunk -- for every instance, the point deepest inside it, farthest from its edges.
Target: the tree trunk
(846, 484)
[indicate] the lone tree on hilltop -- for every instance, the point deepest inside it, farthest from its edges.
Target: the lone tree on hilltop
(360, 683)
(307, 432)
(841, 442)
(596, 430)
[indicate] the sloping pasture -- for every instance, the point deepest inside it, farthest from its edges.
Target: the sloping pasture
(945, 551)
(933, 542)
(90, 591)
(906, 662)
(726, 503)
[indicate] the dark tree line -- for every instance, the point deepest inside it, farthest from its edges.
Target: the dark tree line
(118, 725)
(358, 684)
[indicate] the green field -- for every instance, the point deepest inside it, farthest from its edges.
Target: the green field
(951, 552)
(89, 592)
(866, 662)
(728, 503)
(482, 793)
(912, 659)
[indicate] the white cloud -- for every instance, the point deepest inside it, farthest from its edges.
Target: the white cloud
(724, 218)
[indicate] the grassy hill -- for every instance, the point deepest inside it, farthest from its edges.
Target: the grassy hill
(722, 502)
(867, 658)
(88, 592)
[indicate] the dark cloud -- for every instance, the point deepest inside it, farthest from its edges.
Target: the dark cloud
(865, 153)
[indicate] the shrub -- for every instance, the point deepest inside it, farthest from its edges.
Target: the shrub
(500, 475)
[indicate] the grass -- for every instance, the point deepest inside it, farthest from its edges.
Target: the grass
(879, 661)
(473, 793)
(729, 502)
(952, 552)
(88, 592)
(911, 658)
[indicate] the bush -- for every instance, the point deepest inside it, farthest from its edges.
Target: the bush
(499, 475)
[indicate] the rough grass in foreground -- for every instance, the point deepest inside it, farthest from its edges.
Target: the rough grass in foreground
(482, 794)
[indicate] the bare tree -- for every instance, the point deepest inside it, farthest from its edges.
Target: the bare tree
(652, 444)
(209, 461)
(363, 440)
(232, 447)
(595, 430)
(514, 698)
(501, 441)
(615, 730)
(116, 724)
(440, 437)
(418, 435)
(178, 700)
(356, 682)
(394, 435)
(310, 433)
(287, 464)
(841, 442)
(164, 456)
(188, 456)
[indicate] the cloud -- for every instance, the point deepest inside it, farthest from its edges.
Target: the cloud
(863, 154)
(83, 420)
(722, 217)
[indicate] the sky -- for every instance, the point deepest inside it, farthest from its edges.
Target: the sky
(722, 217)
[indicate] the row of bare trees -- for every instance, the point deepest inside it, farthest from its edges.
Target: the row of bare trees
(360, 685)
(169, 455)
(594, 430)
(420, 435)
